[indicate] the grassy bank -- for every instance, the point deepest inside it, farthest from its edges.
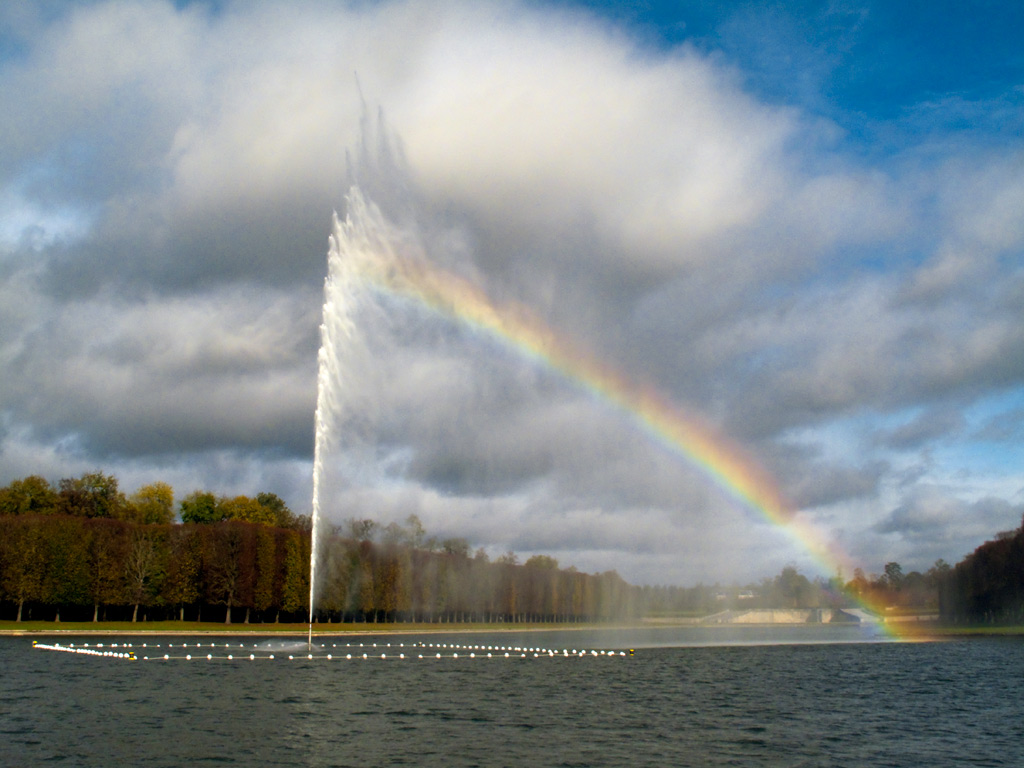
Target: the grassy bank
(940, 631)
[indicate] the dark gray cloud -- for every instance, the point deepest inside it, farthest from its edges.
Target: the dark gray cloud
(931, 522)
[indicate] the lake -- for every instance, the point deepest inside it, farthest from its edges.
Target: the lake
(736, 696)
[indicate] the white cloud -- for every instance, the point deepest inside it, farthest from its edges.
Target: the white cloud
(168, 179)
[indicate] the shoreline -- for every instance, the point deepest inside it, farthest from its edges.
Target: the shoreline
(303, 631)
(906, 629)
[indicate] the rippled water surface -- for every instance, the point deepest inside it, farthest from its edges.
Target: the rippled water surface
(711, 701)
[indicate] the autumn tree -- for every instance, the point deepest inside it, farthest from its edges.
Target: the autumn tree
(224, 570)
(295, 587)
(181, 584)
(267, 570)
(153, 504)
(337, 567)
(457, 547)
(94, 494)
(361, 530)
(246, 510)
(66, 556)
(21, 562)
(542, 586)
(106, 551)
(364, 580)
(509, 591)
(142, 566)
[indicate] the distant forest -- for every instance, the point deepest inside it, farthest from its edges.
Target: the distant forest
(987, 586)
(84, 550)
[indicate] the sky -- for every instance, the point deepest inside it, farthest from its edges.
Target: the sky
(801, 223)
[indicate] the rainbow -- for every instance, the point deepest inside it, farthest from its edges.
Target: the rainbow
(718, 459)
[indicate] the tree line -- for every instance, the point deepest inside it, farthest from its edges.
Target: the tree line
(987, 586)
(85, 549)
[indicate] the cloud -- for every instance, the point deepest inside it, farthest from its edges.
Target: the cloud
(932, 520)
(925, 429)
(1006, 427)
(831, 299)
(158, 376)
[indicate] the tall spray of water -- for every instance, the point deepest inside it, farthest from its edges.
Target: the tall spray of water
(358, 246)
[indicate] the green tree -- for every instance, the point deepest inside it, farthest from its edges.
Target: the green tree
(200, 507)
(31, 496)
(282, 516)
(793, 590)
(893, 576)
(938, 572)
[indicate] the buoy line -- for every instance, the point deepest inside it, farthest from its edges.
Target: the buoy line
(290, 651)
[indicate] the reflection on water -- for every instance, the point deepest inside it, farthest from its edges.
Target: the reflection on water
(684, 636)
(288, 646)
